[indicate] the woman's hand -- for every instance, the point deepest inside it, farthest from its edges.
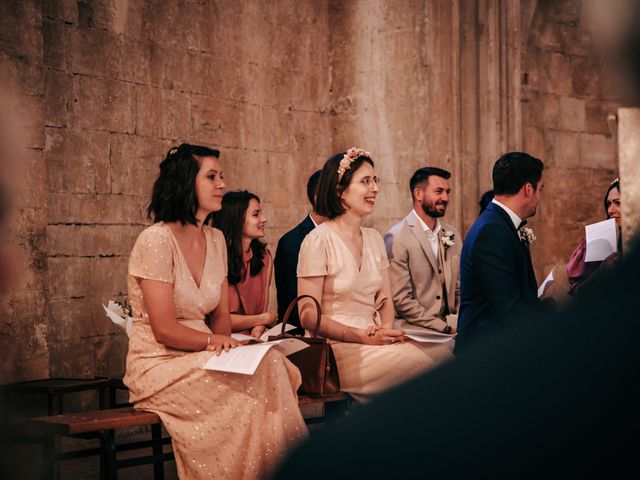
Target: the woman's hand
(222, 342)
(258, 330)
(383, 336)
(269, 319)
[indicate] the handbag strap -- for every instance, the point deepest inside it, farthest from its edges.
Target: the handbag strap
(294, 304)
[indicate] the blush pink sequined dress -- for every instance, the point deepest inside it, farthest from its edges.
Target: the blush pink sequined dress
(222, 426)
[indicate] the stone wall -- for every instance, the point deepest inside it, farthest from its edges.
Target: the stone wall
(108, 86)
(566, 100)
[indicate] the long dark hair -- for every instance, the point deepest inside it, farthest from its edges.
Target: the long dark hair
(230, 220)
(174, 196)
(614, 184)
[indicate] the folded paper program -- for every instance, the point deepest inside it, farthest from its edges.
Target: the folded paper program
(118, 315)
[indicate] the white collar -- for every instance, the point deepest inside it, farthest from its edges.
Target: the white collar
(425, 227)
(512, 215)
(314, 222)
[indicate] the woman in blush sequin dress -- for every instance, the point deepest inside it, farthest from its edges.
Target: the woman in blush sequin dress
(223, 426)
(345, 266)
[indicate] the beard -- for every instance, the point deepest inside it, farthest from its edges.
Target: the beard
(432, 211)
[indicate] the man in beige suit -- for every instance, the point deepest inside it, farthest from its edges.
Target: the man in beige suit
(424, 253)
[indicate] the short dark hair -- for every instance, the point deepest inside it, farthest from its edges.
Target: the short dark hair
(328, 202)
(174, 198)
(312, 187)
(513, 170)
(614, 184)
(485, 200)
(423, 174)
(230, 220)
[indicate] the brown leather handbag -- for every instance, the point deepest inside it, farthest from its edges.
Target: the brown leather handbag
(317, 363)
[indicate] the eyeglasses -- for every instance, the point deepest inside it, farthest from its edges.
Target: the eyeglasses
(369, 181)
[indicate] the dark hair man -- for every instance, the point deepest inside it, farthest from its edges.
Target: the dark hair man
(286, 261)
(497, 279)
(424, 254)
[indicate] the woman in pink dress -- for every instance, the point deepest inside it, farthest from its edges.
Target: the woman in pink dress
(177, 279)
(579, 271)
(345, 266)
(250, 264)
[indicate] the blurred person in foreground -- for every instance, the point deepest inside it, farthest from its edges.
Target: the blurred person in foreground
(558, 396)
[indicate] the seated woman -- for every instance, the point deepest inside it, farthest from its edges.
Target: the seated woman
(177, 277)
(345, 266)
(249, 262)
(579, 271)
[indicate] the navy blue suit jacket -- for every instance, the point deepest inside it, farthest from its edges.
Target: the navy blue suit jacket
(286, 265)
(497, 281)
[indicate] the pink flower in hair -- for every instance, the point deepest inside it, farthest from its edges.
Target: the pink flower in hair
(348, 158)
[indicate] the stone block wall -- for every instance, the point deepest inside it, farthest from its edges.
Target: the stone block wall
(107, 87)
(566, 98)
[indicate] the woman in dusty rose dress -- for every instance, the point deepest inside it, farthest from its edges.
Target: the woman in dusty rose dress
(223, 426)
(250, 265)
(346, 266)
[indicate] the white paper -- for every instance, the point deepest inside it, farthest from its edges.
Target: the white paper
(245, 359)
(428, 336)
(546, 282)
(120, 319)
(602, 240)
(241, 337)
(275, 330)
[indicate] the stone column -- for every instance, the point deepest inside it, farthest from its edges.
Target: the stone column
(629, 157)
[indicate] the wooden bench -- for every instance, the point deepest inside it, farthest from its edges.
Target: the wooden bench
(101, 424)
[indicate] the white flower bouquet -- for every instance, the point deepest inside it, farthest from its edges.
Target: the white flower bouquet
(119, 314)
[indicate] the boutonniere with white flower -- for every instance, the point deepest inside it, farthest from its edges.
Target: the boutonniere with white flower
(120, 314)
(448, 239)
(527, 236)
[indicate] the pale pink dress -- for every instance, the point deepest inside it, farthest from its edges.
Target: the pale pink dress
(223, 426)
(350, 296)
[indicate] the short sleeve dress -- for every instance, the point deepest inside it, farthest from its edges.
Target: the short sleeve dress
(351, 295)
(222, 425)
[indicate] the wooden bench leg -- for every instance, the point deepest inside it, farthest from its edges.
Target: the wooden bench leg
(158, 464)
(48, 466)
(108, 458)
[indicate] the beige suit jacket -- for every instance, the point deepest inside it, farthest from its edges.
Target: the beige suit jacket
(416, 280)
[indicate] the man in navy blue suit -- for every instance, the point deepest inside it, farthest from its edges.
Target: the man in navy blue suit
(286, 261)
(497, 281)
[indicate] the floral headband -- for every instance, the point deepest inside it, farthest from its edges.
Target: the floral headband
(615, 180)
(348, 158)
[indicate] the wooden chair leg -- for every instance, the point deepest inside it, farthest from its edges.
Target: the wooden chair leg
(158, 464)
(108, 469)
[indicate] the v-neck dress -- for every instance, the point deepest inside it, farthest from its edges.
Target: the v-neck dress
(222, 425)
(351, 296)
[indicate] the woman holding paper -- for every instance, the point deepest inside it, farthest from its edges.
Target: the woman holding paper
(177, 277)
(345, 266)
(579, 271)
(250, 264)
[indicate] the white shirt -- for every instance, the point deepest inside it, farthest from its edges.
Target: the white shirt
(432, 235)
(314, 222)
(514, 218)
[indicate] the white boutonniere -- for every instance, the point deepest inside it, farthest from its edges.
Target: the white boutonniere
(448, 239)
(527, 236)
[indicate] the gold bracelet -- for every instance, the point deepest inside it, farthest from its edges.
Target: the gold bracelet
(208, 342)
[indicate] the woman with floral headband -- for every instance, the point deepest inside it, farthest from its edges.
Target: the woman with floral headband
(177, 278)
(579, 271)
(345, 266)
(249, 261)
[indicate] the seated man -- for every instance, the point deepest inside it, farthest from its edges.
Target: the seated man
(425, 257)
(286, 261)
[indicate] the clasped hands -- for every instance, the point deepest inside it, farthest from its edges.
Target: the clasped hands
(379, 335)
